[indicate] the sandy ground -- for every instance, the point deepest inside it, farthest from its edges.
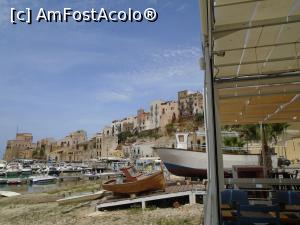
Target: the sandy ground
(42, 209)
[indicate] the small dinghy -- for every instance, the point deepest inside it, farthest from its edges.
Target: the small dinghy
(133, 184)
(8, 194)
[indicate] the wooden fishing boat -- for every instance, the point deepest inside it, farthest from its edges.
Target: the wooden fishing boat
(136, 184)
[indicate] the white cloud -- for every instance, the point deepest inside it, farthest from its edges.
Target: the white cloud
(164, 70)
(182, 7)
(113, 96)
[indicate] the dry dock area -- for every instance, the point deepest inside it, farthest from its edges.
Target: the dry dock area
(190, 191)
(42, 208)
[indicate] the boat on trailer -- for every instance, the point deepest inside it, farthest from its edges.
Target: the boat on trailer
(136, 183)
(187, 162)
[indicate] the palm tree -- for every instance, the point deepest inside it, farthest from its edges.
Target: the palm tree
(266, 133)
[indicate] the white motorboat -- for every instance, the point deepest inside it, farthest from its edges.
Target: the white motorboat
(42, 179)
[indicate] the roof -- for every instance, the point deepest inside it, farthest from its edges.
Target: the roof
(256, 59)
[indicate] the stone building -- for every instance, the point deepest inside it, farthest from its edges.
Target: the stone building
(43, 148)
(140, 149)
(169, 113)
(107, 131)
(189, 103)
(128, 124)
(20, 148)
(155, 113)
(116, 127)
(65, 149)
(290, 149)
(143, 120)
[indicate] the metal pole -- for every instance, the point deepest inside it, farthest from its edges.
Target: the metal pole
(215, 157)
(263, 149)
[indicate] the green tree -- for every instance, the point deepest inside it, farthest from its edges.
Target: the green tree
(170, 129)
(270, 133)
(123, 136)
(42, 153)
(233, 142)
(199, 118)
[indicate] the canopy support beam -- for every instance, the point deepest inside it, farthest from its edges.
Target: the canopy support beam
(238, 3)
(227, 28)
(282, 78)
(217, 52)
(258, 61)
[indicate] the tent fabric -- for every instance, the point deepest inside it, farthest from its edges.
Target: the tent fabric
(256, 60)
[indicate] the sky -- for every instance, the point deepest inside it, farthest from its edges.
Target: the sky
(56, 78)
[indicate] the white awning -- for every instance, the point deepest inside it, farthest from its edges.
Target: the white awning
(256, 60)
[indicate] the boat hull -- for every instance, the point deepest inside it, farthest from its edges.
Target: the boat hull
(153, 182)
(188, 163)
(43, 180)
(183, 171)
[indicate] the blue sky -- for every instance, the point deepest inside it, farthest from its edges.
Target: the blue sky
(59, 77)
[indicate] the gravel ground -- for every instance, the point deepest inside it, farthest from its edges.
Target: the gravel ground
(41, 209)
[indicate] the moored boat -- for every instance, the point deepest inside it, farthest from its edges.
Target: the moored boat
(3, 181)
(136, 184)
(183, 161)
(3, 165)
(13, 181)
(42, 179)
(26, 171)
(14, 170)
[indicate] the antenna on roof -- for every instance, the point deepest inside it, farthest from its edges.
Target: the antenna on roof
(17, 129)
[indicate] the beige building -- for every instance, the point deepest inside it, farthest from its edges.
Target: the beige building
(20, 148)
(129, 123)
(169, 113)
(155, 113)
(143, 120)
(142, 149)
(163, 113)
(67, 148)
(189, 103)
(44, 147)
(116, 127)
(290, 149)
(107, 131)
